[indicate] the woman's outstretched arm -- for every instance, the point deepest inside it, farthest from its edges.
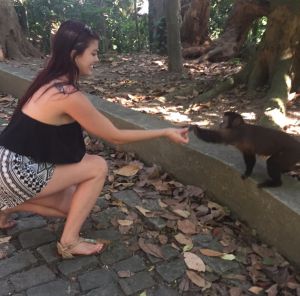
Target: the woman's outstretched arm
(82, 110)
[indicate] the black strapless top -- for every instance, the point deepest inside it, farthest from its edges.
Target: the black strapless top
(58, 144)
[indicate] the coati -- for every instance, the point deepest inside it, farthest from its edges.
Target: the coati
(283, 150)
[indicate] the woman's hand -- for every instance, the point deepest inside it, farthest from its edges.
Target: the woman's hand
(178, 135)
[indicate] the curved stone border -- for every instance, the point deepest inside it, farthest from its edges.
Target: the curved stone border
(273, 213)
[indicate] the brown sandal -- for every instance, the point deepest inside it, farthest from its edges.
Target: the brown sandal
(66, 250)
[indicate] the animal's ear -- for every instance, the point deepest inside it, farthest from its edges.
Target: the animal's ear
(237, 121)
(231, 120)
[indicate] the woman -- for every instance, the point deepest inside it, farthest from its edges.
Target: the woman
(44, 165)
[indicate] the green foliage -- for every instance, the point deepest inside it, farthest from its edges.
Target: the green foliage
(116, 21)
(219, 11)
(256, 33)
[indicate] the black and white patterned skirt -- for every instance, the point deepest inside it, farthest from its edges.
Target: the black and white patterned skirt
(21, 178)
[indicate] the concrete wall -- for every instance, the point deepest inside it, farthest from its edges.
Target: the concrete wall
(273, 213)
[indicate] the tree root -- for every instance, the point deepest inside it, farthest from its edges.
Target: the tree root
(225, 85)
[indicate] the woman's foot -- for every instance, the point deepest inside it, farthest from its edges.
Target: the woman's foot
(82, 246)
(5, 222)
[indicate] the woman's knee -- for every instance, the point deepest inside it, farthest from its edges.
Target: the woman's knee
(98, 165)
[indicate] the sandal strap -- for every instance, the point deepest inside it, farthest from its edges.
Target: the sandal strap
(66, 250)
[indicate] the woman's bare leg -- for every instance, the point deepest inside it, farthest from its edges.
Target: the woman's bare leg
(54, 205)
(88, 176)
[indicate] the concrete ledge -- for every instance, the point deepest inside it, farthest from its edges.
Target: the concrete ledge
(273, 213)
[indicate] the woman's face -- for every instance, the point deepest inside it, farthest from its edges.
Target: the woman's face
(87, 59)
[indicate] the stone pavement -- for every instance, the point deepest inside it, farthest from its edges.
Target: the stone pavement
(274, 213)
(31, 266)
(154, 223)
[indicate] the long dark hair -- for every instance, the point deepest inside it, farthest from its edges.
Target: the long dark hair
(71, 36)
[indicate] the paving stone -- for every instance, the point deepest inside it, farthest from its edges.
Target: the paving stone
(151, 205)
(128, 197)
(57, 288)
(16, 263)
(115, 253)
(99, 278)
(206, 241)
(4, 288)
(69, 267)
(110, 234)
(155, 223)
(49, 252)
(133, 264)
(102, 203)
(221, 266)
(32, 277)
(35, 238)
(163, 291)
(26, 224)
(103, 218)
(169, 252)
(109, 290)
(171, 271)
(154, 259)
(136, 283)
(6, 250)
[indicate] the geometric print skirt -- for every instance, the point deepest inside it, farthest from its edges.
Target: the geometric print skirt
(21, 178)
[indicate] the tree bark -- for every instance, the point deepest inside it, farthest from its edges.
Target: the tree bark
(277, 62)
(240, 20)
(194, 28)
(13, 43)
(173, 36)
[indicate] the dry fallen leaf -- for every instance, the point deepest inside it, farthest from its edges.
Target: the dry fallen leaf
(196, 279)
(163, 239)
(255, 290)
(151, 249)
(181, 213)
(128, 170)
(125, 222)
(161, 204)
(143, 211)
(184, 285)
(125, 273)
(194, 262)
(272, 291)
(5, 239)
(187, 227)
(183, 240)
(235, 291)
(211, 253)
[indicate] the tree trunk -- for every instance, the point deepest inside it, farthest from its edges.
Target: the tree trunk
(173, 36)
(277, 62)
(240, 20)
(136, 20)
(194, 28)
(13, 43)
(157, 26)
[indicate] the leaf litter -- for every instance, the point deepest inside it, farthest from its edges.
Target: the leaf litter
(193, 224)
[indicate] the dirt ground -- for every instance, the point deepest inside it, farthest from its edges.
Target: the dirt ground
(143, 83)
